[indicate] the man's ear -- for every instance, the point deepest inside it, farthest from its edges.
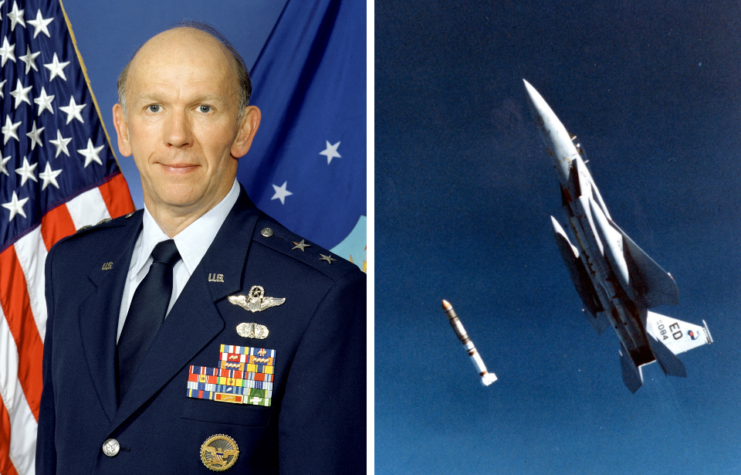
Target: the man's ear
(247, 130)
(122, 130)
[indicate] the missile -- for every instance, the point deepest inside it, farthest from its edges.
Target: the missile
(486, 377)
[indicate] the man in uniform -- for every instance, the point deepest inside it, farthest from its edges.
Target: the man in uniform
(198, 334)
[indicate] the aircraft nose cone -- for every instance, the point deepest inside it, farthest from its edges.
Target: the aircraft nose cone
(555, 138)
(541, 109)
(531, 92)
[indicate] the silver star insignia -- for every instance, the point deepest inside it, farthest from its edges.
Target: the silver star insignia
(329, 259)
(300, 245)
(255, 301)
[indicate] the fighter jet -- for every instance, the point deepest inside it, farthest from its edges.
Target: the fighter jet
(617, 281)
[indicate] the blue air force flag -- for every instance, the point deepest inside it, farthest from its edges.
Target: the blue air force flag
(307, 165)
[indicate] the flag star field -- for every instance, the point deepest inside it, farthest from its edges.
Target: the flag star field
(57, 174)
(51, 129)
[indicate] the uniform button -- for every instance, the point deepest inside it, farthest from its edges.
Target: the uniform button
(111, 447)
(267, 232)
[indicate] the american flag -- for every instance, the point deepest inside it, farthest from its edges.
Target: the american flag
(57, 174)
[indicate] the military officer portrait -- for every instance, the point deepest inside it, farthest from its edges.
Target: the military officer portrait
(198, 334)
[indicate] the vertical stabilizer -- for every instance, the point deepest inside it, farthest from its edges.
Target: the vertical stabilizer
(677, 335)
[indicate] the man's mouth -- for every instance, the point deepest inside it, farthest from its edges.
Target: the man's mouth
(179, 168)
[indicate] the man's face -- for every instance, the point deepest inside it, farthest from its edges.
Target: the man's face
(181, 122)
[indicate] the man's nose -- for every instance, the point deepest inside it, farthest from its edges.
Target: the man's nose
(178, 131)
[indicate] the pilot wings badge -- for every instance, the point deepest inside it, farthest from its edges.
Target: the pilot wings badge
(256, 301)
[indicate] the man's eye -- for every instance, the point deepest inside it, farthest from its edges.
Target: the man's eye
(204, 109)
(154, 108)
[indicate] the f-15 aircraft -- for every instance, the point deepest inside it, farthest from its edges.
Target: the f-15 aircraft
(617, 281)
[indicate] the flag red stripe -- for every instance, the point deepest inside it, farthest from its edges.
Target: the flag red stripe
(55, 225)
(6, 466)
(16, 305)
(116, 195)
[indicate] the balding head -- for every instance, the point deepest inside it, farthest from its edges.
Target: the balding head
(194, 32)
(185, 123)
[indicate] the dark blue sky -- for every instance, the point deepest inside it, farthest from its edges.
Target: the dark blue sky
(464, 191)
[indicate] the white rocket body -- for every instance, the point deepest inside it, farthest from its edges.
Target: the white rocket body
(486, 377)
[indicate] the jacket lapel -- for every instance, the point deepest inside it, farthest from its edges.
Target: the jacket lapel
(194, 320)
(98, 315)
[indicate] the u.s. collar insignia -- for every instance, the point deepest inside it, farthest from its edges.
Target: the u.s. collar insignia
(252, 330)
(256, 301)
(219, 452)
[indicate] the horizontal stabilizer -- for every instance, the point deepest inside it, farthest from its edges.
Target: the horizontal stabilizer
(577, 271)
(677, 335)
(668, 361)
(652, 283)
(632, 375)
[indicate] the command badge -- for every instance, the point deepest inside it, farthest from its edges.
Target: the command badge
(252, 330)
(219, 452)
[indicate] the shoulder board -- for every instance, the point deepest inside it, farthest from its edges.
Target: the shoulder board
(106, 223)
(273, 235)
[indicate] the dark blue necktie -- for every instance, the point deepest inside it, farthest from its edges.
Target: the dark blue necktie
(146, 313)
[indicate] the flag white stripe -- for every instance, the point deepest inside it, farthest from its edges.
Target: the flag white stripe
(88, 208)
(31, 252)
(23, 425)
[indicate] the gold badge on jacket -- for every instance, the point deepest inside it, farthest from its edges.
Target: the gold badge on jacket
(255, 301)
(219, 452)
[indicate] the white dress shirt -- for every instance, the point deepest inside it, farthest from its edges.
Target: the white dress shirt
(192, 243)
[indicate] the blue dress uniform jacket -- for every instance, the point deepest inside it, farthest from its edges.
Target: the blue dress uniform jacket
(316, 423)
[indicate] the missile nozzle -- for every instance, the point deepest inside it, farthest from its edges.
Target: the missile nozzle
(488, 378)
